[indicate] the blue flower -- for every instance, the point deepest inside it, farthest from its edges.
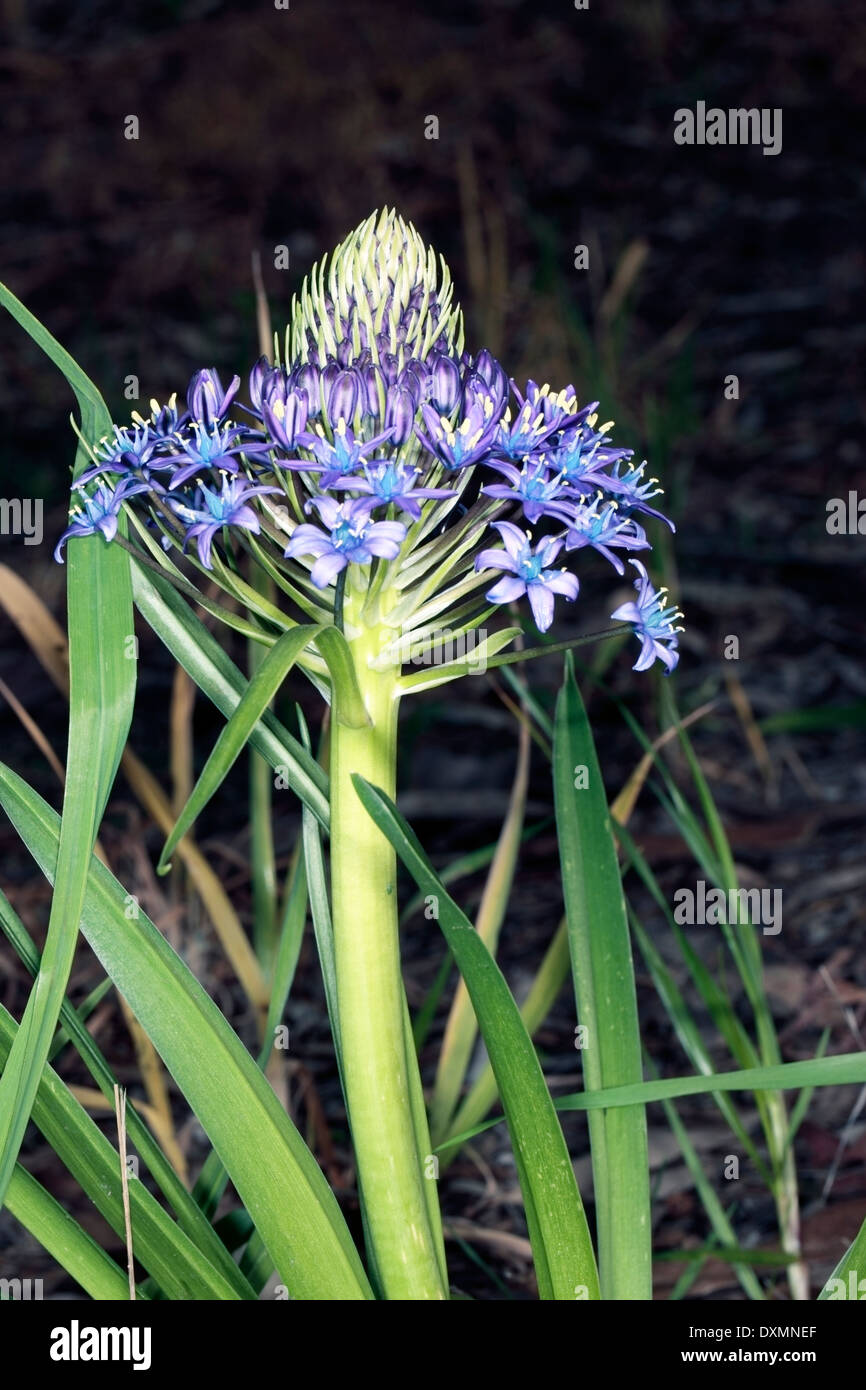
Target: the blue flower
(558, 408)
(385, 483)
(634, 493)
(165, 420)
(459, 445)
(539, 493)
(99, 512)
(602, 529)
(539, 417)
(583, 453)
(353, 539)
(208, 511)
(128, 450)
(215, 448)
(527, 572)
(653, 623)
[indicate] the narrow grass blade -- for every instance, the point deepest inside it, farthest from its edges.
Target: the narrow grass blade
(716, 1214)
(847, 1069)
(275, 1174)
(461, 1029)
(263, 867)
(557, 1224)
(606, 1000)
(214, 897)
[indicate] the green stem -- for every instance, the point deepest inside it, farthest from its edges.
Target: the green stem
(370, 996)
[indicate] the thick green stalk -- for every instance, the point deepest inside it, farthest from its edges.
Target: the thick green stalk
(370, 990)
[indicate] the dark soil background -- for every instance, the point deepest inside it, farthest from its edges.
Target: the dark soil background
(261, 127)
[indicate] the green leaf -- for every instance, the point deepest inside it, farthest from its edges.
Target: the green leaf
(850, 1269)
(63, 1238)
(190, 1217)
(276, 1176)
(557, 1224)
(461, 1028)
(180, 1270)
(546, 985)
(848, 1069)
(200, 654)
(606, 1002)
(102, 672)
(845, 1070)
(260, 690)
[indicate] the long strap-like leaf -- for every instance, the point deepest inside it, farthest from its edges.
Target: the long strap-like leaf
(606, 1003)
(102, 670)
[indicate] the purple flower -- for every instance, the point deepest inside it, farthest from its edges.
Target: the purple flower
(339, 457)
(165, 420)
(353, 539)
(458, 445)
(603, 529)
(385, 482)
(527, 572)
(400, 410)
(653, 623)
(309, 378)
(492, 374)
(259, 374)
(343, 395)
(208, 511)
(207, 401)
(522, 436)
(540, 417)
(285, 414)
(538, 493)
(445, 382)
(558, 409)
(98, 512)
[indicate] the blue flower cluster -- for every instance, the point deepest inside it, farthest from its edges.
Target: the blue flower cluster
(364, 438)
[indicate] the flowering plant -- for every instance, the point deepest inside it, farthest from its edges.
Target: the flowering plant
(380, 487)
(368, 477)
(379, 496)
